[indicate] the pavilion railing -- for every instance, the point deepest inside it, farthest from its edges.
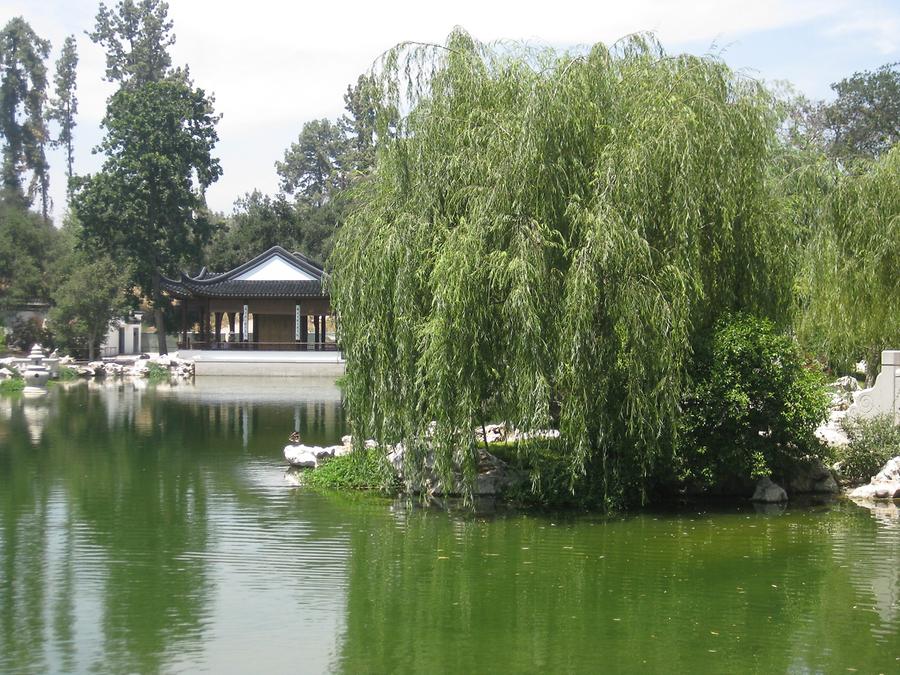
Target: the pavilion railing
(260, 346)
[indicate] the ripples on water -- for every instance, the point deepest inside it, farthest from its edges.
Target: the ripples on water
(146, 531)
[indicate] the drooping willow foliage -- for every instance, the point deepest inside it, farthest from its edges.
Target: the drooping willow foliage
(850, 280)
(545, 240)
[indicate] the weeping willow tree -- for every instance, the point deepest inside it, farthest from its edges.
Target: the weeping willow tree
(850, 281)
(545, 239)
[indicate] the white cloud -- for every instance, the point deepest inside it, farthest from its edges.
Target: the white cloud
(882, 30)
(273, 65)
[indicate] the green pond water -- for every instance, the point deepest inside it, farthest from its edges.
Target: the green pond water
(154, 530)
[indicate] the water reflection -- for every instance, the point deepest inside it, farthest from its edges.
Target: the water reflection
(698, 593)
(149, 530)
(127, 518)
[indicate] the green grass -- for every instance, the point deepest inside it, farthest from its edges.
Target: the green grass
(12, 385)
(368, 470)
(157, 373)
(67, 374)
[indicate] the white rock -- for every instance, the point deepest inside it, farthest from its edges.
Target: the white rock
(831, 433)
(5, 373)
(880, 491)
(302, 456)
(769, 492)
(884, 485)
(890, 473)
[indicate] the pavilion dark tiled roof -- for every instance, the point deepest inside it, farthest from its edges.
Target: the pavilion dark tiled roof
(249, 289)
(207, 284)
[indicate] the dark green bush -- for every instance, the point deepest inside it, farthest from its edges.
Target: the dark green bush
(549, 482)
(872, 443)
(753, 408)
(25, 333)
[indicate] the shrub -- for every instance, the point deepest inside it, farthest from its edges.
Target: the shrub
(157, 373)
(753, 408)
(67, 374)
(24, 333)
(872, 443)
(367, 470)
(11, 385)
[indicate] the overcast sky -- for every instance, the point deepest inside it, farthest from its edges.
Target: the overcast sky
(274, 65)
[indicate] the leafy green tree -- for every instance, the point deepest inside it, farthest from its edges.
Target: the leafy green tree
(86, 303)
(546, 240)
(146, 206)
(258, 223)
(850, 286)
(315, 166)
(136, 36)
(27, 252)
(864, 120)
(23, 95)
(64, 106)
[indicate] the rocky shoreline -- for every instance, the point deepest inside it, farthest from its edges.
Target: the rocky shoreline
(492, 477)
(123, 367)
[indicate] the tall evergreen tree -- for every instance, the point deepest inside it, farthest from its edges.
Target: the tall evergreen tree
(359, 122)
(146, 206)
(137, 37)
(64, 106)
(314, 167)
(23, 96)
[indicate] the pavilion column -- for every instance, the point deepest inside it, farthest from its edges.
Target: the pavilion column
(304, 332)
(203, 323)
(316, 325)
(297, 324)
(231, 316)
(184, 325)
(218, 335)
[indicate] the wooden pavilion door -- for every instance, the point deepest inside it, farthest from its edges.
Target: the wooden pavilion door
(277, 328)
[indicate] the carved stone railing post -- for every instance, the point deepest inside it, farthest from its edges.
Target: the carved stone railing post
(881, 398)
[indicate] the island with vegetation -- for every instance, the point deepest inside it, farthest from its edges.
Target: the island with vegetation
(644, 264)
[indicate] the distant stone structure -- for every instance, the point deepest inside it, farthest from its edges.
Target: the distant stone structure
(881, 399)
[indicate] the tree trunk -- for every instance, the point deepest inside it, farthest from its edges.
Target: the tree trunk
(873, 365)
(158, 315)
(91, 340)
